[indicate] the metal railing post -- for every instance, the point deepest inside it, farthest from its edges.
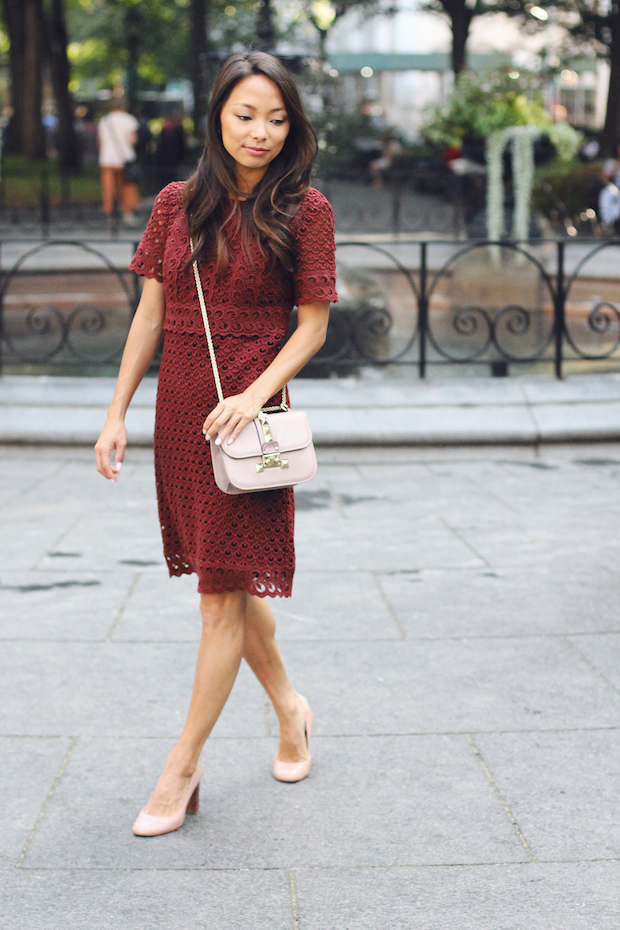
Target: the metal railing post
(559, 309)
(396, 210)
(45, 202)
(423, 308)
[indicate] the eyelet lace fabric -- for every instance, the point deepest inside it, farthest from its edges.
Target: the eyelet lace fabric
(232, 542)
(248, 299)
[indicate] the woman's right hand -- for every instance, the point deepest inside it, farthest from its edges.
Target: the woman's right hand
(113, 436)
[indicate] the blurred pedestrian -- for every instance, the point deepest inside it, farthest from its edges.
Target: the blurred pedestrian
(171, 149)
(264, 242)
(390, 148)
(118, 134)
(609, 197)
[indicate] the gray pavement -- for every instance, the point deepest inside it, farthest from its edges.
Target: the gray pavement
(370, 410)
(455, 627)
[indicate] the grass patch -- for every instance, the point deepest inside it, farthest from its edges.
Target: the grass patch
(25, 182)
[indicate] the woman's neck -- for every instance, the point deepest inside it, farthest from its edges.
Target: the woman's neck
(248, 178)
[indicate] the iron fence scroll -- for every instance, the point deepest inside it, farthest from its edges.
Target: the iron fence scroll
(43, 319)
(423, 303)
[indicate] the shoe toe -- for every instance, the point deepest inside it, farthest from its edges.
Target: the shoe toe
(147, 825)
(291, 771)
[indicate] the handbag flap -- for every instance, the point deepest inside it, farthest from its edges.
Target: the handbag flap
(290, 430)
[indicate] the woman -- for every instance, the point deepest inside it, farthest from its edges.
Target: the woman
(264, 241)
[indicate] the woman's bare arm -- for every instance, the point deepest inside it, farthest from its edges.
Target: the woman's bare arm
(229, 417)
(142, 342)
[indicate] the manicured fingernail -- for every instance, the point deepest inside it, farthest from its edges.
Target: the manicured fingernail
(218, 441)
(117, 466)
(230, 441)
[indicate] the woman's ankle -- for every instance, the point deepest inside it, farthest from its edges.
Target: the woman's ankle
(293, 707)
(183, 761)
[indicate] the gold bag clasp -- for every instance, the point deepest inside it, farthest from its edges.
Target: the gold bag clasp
(269, 458)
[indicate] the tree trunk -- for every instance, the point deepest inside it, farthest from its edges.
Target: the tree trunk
(56, 35)
(460, 21)
(33, 137)
(611, 130)
(14, 21)
(199, 48)
(265, 33)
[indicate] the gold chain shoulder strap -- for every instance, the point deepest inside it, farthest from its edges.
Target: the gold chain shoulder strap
(205, 319)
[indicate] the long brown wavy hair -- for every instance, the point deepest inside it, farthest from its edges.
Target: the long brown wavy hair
(212, 193)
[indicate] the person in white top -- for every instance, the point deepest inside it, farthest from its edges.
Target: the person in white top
(118, 133)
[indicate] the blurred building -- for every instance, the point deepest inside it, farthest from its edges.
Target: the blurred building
(401, 64)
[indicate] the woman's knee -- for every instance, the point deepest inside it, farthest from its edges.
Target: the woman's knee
(223, 612)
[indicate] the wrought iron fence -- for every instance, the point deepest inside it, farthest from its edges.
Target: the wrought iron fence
(489, 306)
(64, 305)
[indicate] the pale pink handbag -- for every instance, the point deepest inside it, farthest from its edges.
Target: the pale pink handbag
(273, 451)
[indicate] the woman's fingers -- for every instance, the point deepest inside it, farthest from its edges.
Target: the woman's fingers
(231, 430)
(113, 440)
(103, 461)
(228, 419)
(222, 426)
(208, 423)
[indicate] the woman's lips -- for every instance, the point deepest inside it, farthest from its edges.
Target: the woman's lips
(255, 151)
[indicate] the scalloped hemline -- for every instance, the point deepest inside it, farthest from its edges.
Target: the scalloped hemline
(256, 583)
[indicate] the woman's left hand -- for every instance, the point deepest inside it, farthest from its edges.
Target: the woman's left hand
(230, 416)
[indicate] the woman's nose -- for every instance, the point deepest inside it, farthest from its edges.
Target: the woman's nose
(259, 130)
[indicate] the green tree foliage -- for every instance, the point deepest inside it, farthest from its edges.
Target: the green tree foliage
(98, 47)
(481, 104)
(98, 41)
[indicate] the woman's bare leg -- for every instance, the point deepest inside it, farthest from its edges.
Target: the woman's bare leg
(263, 656)
(219, 657)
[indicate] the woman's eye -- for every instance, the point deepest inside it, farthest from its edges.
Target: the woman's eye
(241, 116)
(277, 122)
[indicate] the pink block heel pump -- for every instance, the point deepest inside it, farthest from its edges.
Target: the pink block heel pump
(147, 825)
(295, 771)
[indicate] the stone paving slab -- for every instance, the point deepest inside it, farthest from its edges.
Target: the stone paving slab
(451, 685)
(561, 788)
(128, 689)
(51, 606)
(139, 899)
(28, 768)
(540, 897)
(603, 652)
(528, 600)
(360, 609)
(341, 816)
(454, 624)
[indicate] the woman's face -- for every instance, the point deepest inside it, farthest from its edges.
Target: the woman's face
(254, 126)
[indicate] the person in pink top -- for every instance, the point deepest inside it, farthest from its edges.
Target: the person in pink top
(264, 241)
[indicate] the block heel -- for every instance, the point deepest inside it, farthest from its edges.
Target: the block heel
(147, 825)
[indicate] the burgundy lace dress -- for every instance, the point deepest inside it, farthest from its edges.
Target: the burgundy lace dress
(242, 542)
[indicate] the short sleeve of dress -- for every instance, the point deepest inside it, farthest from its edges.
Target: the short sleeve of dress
(313, 227)
(150, 253)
